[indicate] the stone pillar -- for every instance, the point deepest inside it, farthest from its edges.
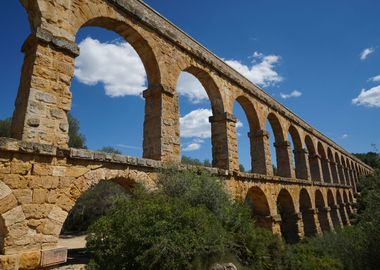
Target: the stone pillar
(316, 221)
(224, 143)
(161, 124)
(309, 225)
(334, 171)
(284, 159)
(44, 96)
(345, 211)
(302, 166)
(330, 222)
(316, 168)
(335, 210)
(300, 227)
(276, 224)
(260, 152)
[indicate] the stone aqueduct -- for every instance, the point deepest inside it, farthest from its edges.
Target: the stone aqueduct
(41, 178)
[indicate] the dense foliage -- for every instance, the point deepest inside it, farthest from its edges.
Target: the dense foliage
(194, 161)
(93, 204)
(370, 158)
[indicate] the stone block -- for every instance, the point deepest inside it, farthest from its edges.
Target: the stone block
(40, 196)
(13, 216)
(58, 215)
(30, 260)
(9, 262)
(53, 256)
(23, 196)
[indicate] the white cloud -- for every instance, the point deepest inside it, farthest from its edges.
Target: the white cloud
(365, 53)
(369, 98)
(196, 124)
(375, 79)
(344, 136)
(293, 94)
(239, 124)
(116, 65)
(191, 147)
(262, 70)
(190, 87)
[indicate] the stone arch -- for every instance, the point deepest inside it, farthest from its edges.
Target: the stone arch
(222, 123)
(137, 41)
(324, 163)
(306, 208)
(260, 211)
(334, 210)
(209, 84)
(333, 166)
(340, 168)
(342, 210)
(301, 167)
(313, 159)
(322, 211)
(257, 152)
(344, 168)
(289, 218)
(53, 223)
(282, 146)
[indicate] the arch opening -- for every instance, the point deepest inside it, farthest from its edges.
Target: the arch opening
(334, 210)
(289, 218)
(322, 211)
(199, 101)
(333, 166)
(247, 124)
(312, 159)
(94, 203)
(306, 208)
(324, 163)
(280, 150)
(116, 65)
(342, 210)
(258, 203)
(298, 155)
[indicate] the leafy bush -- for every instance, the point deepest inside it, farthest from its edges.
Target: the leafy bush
(93, 204)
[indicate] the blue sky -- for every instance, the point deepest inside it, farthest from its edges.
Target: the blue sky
(319, 55)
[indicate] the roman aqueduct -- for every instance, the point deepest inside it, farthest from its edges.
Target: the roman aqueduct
(41, 178)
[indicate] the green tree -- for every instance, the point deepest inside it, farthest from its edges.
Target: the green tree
(371, 158)
(92, 205)
(5, 127)
(76, 138)
(110, 150)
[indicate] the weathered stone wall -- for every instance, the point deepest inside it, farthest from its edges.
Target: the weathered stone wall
(39, 184)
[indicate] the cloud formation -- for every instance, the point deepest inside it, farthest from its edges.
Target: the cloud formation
(375, 78)
(366, 52)
(192, 147)
(196, 124)
(116, 65)
(293, 94)
(190, 87)
(344, 136)
(262, 71)
(368, 98)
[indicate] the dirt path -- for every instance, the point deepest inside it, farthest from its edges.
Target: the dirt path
(75, 258)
